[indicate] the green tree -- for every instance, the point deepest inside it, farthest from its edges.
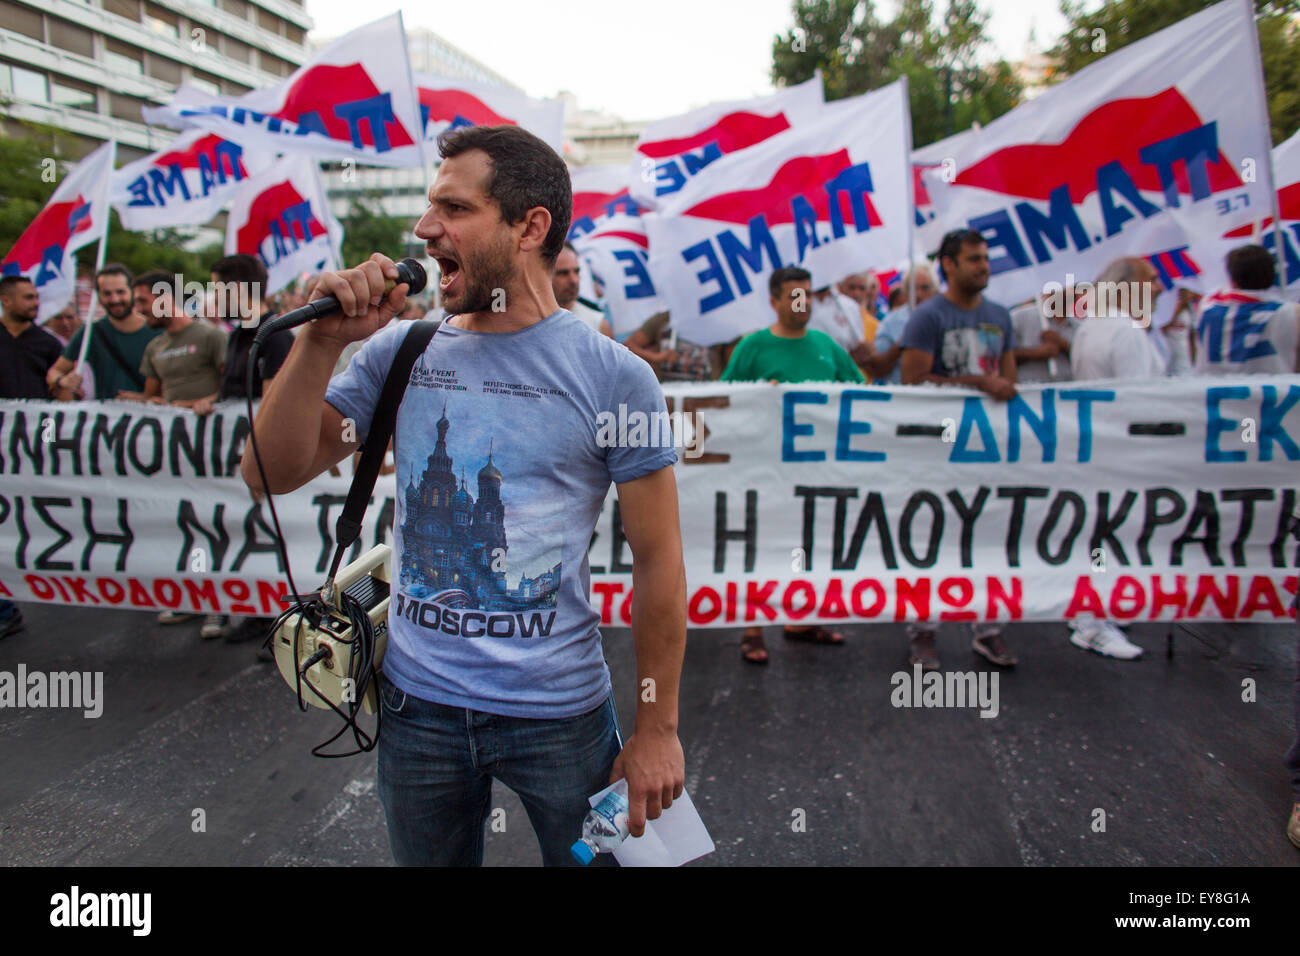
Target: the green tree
(32, 164)
(951, 83)
(366, 229)
(1117, 23)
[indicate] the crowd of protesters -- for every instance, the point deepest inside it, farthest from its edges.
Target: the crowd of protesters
(153, 346)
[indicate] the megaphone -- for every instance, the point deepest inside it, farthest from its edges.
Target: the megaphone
(330, 649)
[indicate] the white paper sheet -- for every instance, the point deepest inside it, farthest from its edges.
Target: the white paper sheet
(677, 837)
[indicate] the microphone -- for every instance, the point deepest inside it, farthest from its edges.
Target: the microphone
(408, 270)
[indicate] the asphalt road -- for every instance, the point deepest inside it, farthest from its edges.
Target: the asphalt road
(1186, 772)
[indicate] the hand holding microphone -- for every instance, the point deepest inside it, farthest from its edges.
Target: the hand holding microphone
(353, 304)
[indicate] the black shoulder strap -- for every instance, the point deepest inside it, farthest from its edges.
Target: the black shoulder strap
(132, 373)
(348, 527)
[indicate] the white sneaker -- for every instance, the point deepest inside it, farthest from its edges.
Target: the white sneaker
(214, 626)
(1105, 638)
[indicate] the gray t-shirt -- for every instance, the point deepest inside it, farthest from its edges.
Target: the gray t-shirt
(962, 341)
(503, 463)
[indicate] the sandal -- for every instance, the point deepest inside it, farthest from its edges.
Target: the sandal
(813, 635)
(747, 648)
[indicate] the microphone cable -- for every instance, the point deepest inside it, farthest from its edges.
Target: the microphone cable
(361, 670)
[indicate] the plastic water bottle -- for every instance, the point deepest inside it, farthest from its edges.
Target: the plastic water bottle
(605, 826)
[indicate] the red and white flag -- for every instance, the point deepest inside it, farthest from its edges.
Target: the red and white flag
(1286, 174)
(185, 184)
(450, 103)
(611, 240)
(928, 226)
(830, 196)
(355, 99)
(671, 152)
(283, 218)
(75, 216)
(1155, 150)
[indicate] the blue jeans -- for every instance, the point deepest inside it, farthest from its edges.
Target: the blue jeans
(436, 765)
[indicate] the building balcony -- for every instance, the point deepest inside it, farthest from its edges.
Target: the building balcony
(98, 126)
(180, 48)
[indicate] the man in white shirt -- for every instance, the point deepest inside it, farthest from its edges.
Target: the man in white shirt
(564, 283)
(1248, 328)
(1113, 341)
(841, 318)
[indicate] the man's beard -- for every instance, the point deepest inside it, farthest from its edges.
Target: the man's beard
(119, 310)
(492, 271)
(570, 298)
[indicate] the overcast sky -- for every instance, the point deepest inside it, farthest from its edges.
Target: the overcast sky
(640, 59)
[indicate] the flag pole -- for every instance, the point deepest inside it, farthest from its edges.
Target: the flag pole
(1279, 250)
(99, 260)
(911, 197)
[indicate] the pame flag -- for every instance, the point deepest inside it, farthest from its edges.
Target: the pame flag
(185, 184)
(1286, 174)
(75, 216)
(611, 240)
(450, 103)
(671, 152)
(830, 196)
(929, 227)
(354, 100)
(1155, 150)
(283, 218)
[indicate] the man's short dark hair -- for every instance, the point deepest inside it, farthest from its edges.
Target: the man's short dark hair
(241, 267)
(1251, 267)
(525, 173)
(8, 282)
(152, 278)
(114, 269)
(897, 296)
(952, 243)
(786, 274)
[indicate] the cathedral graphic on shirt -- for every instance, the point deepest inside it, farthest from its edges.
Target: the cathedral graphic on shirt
(455, 546)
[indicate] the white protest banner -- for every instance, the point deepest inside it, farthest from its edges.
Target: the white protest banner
(670, 152)
(801, 503)
(610, 238)
(354, 100)
(1154, 150)
(75, 216)
(452, 102)
(829, 195)
(283, 218)
(185, 184)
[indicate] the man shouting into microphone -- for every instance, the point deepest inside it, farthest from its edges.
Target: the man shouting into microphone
(494, 666)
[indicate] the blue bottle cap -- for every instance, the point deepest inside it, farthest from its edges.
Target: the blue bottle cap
(582, 853)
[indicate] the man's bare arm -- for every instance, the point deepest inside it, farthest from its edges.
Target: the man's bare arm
(652, 758)
(917, 365)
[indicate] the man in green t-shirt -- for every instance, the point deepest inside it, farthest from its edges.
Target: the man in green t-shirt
(788, 351)
(117, 344)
